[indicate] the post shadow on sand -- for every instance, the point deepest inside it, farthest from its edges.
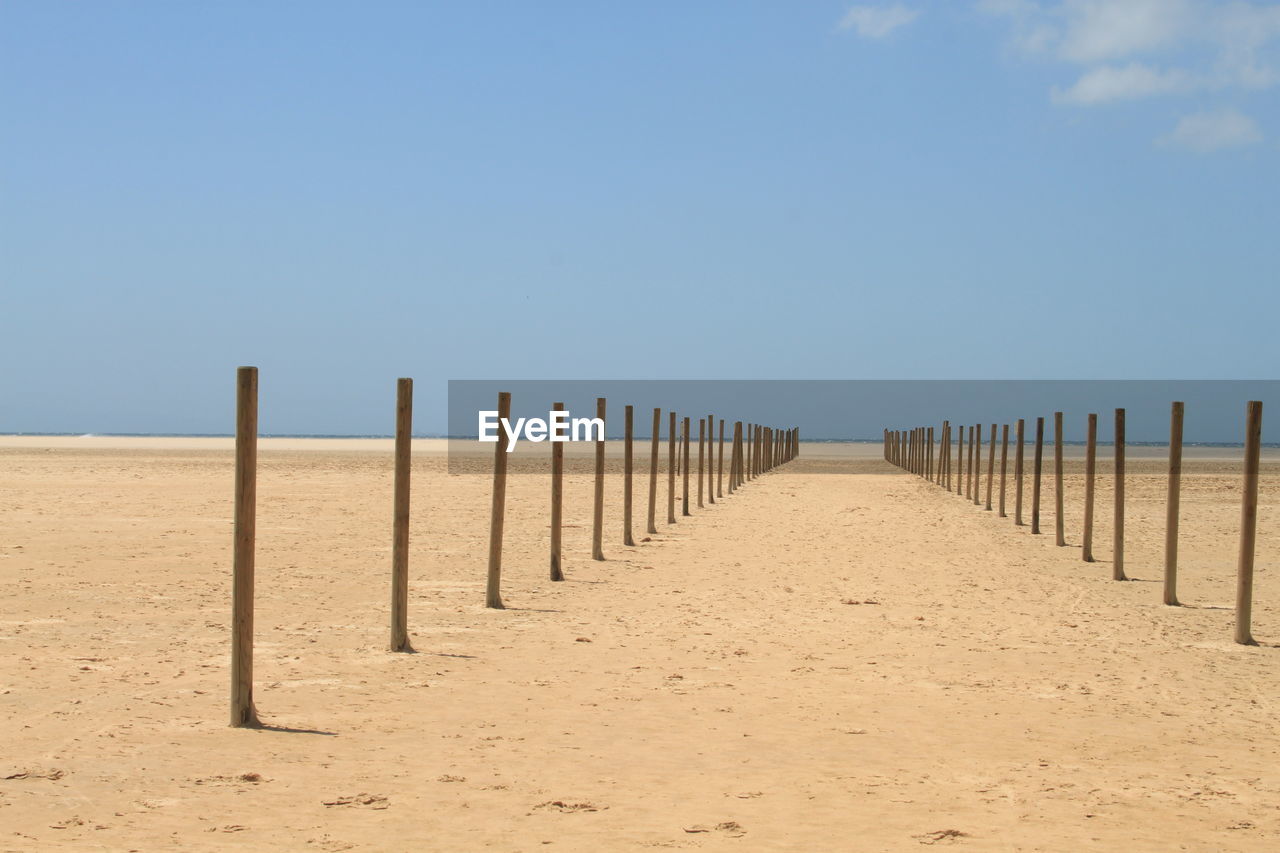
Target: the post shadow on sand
(258, 725)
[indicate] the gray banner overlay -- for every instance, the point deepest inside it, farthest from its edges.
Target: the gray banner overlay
(836, 411)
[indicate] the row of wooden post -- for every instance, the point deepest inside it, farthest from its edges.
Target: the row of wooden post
(913, 450)
(754, 450)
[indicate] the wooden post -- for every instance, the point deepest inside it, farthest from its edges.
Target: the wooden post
(720, 464)
(557, 503)
(497, 516)
(960, 460)
(400, 519)
(702, 428)
(1004, 464)
(1020, 430)
(734, 463)
(684, 462)
(970, 486)
(928, 456)
(944, 457)
(1060, 533)
(1039, 468)
(977, 464)
(1248, 524)
(1171, 509)
(243, 712)
(711, 458)
(1117, 544)
(597, 516)
(991, 465)
(671, 471)
(653, 472)
(1090, 469)
(627, 456)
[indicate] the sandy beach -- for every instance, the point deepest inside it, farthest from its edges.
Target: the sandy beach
(839, 657)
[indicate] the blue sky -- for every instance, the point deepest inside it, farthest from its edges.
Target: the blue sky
(345, 193)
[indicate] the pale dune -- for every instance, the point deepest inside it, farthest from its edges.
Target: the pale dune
(824, 661)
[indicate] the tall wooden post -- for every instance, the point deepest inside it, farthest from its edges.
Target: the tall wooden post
(1117, 544)
(557, 503)
(497, 515)
(971, 481)
(720, 464)
(684, 462)
(1035, 485)
(653, 472)
(944, 457)
(671, 471)
(1248, 524)
(597, 515)
(1060, 533)
(702, 429)
(627, 456)
(400, 518)
(711, 458)
(991, 465)
(928, 457)
(1090, 470)
(1020, 430)
(1171, 509)
(1004, 464)
(243, 712)
(960, 460)
(733, 458)
(977, 464)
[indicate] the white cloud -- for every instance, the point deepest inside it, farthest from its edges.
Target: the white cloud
(877, 21)
(1101, 30)
(1220, 45)
(1135, 80)
(1213, 131)
(1125, 50)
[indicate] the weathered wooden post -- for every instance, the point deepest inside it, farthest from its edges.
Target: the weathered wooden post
(1035, 486)
(671, 471)
(1171, 510)
(971, 484)
(597, 514)
(1117, 544)
(991, 465)
(1248, 524)
(400, 518)
(628, 437)
(944, 456)
(977, 464)
(1020, 430)
(1090, 470)
(497, 515)
(702, 428)
(1004, 464)
(243, 712)
(653, 471)
(928, 457)
(720, 464)
(684, 462)
(1060, 533)
(960, 459)
(733, 458)
(944, 451)
(711, 458)
(557, 503)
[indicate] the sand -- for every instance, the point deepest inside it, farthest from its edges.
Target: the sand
(840, 657)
